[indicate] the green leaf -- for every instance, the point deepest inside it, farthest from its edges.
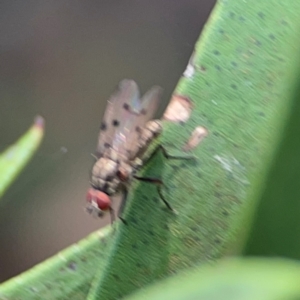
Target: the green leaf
(67, 275)
(276, 226)
(15, 158)
(239, 86)
(244, 279)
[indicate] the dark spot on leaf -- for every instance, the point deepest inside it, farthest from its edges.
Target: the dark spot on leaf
(216, 52)
(134, 246)
(257, 43)
(33, 289)
(225, 213)
(48, 285)
(242, 19)
(145, 242)
(146, 199)
(234, 86)
(272, 37)
(202, 68)
(218, 195)
(175, 168)
(184, 164)
(197, 239)
(261, 15)
(262, 114)
(83, 259)
(103, 126)
(234, 64)
(231, 15)
(284, 22)
(115, 123)
(218, 68)
(72, 266)
(156, 200)
(169, 187)
(217, 241)
(133, 220)
(221, 31)
(115, 276)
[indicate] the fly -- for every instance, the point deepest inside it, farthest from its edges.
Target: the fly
(126, 131)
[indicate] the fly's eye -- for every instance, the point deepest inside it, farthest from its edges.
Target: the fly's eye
(101, 199)
(122, 175)
(90, 195)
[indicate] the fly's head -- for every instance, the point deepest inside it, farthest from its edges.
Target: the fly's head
(97, 203)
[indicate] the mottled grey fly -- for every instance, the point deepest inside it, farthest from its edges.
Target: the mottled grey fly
(126, 131)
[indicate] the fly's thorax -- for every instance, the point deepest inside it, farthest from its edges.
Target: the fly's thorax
(105, 168)
(109, 187)
(108, 175)
(104, 175)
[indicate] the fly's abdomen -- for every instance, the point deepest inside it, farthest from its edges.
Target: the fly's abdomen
(152, 129)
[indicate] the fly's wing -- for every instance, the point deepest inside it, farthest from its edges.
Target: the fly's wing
(125, 116)
(119, 117)
(150, 103)
(148, 108)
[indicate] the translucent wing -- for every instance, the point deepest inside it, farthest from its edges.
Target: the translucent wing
(124, 117)
(117, 115)
(149, 105)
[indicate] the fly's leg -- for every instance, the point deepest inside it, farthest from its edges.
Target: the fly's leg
(122, 205)
(158, 184)
(112, 215)
(166, 155)
(94, 156)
